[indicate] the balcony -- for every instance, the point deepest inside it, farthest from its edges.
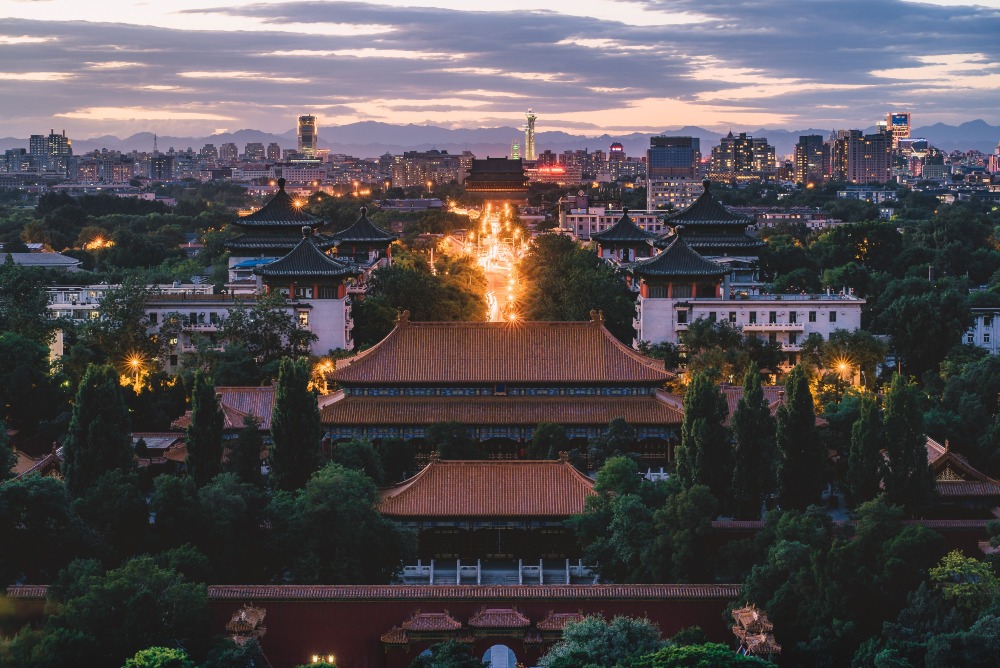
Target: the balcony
(774, 327)
(635, 324)
(202, 327)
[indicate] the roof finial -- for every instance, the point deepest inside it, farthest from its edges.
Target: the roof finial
(597, 317)
(563, 456)
(306, 231)
(364, 211)
(402, 317)
(947, 445)
(678, 230)
(281, 184)
(625, 210)
(706, 184)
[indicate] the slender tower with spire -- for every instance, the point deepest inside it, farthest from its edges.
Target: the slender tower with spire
(529, 136)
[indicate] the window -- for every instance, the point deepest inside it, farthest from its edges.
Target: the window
(304, 318)
(711, 316)
(682, 317)
(772, 337)
(500, 389)
(657, 292)
(173, 360)
(682, 291)
(753, 317)
(327, 292)
(213, 318)
(153, 317)
(987, 321)
(812, 316)
(793, 338)
(303, 293)
(833, 316)
(192, 318)
(772, 317)
(970, 338)
(986, 337)
(732, 316)
(793, 317)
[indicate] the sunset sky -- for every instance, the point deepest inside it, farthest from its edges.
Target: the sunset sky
(194, 67)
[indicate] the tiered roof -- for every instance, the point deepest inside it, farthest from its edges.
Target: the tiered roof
(955, 477)
(307, 260)
(624, 231)
(499, 618)
(711, 227)
(364, 231)
(557, 621)
(416, 353)
(273, 227)
(515, 488)
(678, 259)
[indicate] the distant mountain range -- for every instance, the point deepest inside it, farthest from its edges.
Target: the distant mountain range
(370, 139)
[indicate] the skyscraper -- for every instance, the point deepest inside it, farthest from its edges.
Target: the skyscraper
(273, 151)
(673, 172)
(529, 136)
(897, 123)
(812, 160)
(743, 156)
(307, 136)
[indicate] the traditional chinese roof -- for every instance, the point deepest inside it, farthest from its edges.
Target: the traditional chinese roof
(432, 621)
(557, 621)
(280, 211)
(274, 241)
(955, 477)
(395, 636)
(237, 403)
(499, 618)
(496, 352)
(516, 488)
(364, 231)
(705, 211)
(624, 230)
(362, 411)
(713, 243)
(677, 259)
(307, 260)
(640, 592)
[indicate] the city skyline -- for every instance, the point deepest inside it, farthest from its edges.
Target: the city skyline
(204, 66)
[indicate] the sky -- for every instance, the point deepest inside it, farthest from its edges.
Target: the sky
(198, 67)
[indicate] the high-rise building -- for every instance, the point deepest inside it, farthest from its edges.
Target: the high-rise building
(307, 136)
(812, 160)
(273, 151)
(209, 152)
(254, 151)
(869, 157)
(228, 152)
(529, 136)
(673, 172)
(743, 157)
(416, 168)
(898, 125)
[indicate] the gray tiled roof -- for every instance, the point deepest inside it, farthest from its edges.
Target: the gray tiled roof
(706, 210)
(710, 242)
(279, 211)
(624, 230)
(364, 230)
(274, 241)
(306, 259)
(678, 259)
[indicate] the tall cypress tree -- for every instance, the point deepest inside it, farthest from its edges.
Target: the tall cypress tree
(909, 481)
(865, 463)
(801, 455)
(754, 449)
(99, 438)
(295, 427)
(7, 457)
(244, 453)
(704, 456)
(204, 434)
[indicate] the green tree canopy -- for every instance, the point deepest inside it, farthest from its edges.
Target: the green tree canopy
(448, 654)
(708, 655)
(909, 481)
(204, 434)
(704, 456)
(160, 657)
(865, 462)
(754, 450)
(593, 642)
(295, 427)
(801, 454)
(245, 453)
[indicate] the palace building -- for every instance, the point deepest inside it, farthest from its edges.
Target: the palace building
(624, 241)
(501, 380)
(497, 179)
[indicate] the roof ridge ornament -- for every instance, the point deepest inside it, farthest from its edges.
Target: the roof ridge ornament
(306, 231)
(706, 184)
(597, 317)
(402, 317)
(281, 184)
(364, 211)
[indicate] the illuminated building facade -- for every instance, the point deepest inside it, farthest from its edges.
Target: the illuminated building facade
(673, 170)
(742, 157)
(414, 169)
(812, 160)
(307, 133)
(897, 124)
(273, 152)
(497, 179)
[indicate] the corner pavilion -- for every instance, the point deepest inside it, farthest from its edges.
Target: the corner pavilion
(501, 380)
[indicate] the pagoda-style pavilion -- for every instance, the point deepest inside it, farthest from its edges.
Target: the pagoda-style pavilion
(713, 230)
(963, 491)
(678, 272)
(501, 380)
(497, 179)
(490, 509)
(364, 242)
(268, 233)
(316, 284)
(624, 241)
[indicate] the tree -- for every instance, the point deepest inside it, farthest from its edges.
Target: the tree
(683, 527)
(29, 394)
(229, 528)
(968, 584)
(330, 531)
(452, 440)
(228, 654)
(547, 441)
(204, 434)
(160, 657)
(865, 462)
(295, 427)
(99, 438)
(704, 456)
(448, 654)
(753, 449)
(114, 507)
(361, 456)
(909, 481)
(245, 451)
(122, 329)
(399, 460)
(104, 618)
(595, 643)
(176, 510)
(8, 458)
(707, 655)
(267, 330)
(801, 455)
(24, 304)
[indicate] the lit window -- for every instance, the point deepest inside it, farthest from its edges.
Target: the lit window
(304, 318)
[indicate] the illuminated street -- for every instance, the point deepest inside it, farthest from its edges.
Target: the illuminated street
(498, 245)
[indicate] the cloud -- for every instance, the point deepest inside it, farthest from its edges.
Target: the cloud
(132, 113)
(34, 76)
